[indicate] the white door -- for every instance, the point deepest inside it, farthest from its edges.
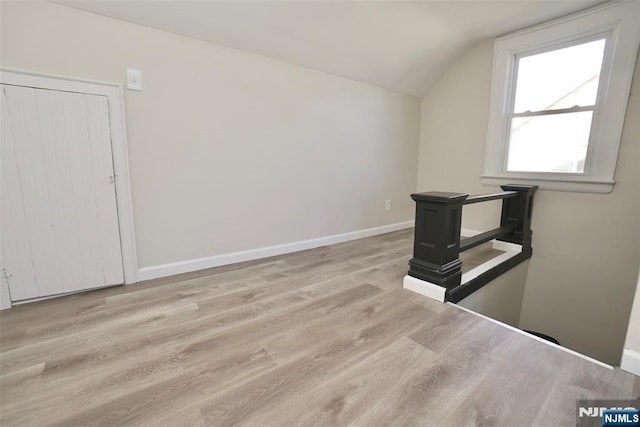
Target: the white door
(58, 219)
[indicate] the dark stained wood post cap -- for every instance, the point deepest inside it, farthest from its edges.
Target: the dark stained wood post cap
(439, 196)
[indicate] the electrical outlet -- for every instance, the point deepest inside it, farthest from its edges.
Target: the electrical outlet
(387, 205)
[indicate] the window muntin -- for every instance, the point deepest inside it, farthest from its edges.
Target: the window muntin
(555, 98)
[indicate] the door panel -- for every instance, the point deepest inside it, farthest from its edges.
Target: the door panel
(57, 179)
(52, 133)
(16, 251)
(109, 237)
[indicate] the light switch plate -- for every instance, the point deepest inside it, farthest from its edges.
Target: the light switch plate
(134, 79)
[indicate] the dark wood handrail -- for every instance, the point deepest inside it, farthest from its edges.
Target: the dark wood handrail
(487, 197)
(496, 233)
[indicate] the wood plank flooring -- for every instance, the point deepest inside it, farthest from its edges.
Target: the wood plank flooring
(325, 337)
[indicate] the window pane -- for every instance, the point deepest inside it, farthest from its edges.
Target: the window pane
(553, 143)
(561, 78)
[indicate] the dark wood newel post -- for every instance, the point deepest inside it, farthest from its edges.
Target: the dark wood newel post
(436, 246)
(516, 213)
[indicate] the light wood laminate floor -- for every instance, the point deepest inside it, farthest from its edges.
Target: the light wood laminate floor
(325, 337)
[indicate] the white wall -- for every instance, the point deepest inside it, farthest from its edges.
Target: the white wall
(586, 246)
(632, 341)
(631, 354)
(452, 135)
(231, 151)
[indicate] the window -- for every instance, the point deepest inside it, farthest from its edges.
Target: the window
(559, 95)
(555, 98)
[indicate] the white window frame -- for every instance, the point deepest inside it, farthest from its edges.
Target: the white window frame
(618, 22)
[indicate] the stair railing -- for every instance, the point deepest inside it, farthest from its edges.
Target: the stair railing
(437, 244)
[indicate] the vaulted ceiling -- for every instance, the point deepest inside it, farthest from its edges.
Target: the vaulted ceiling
(402, 46)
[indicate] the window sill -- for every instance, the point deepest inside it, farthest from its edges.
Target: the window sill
(553, 184)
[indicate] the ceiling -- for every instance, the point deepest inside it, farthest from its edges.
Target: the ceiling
(402, 46)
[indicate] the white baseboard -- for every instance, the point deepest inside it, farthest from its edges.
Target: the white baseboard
(425, 288)
(630, 361)
(466, 232)
(164, 270)
(506, 246)
(488, 265)
(437, 292)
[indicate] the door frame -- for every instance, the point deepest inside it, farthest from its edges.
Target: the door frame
(115, 96)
